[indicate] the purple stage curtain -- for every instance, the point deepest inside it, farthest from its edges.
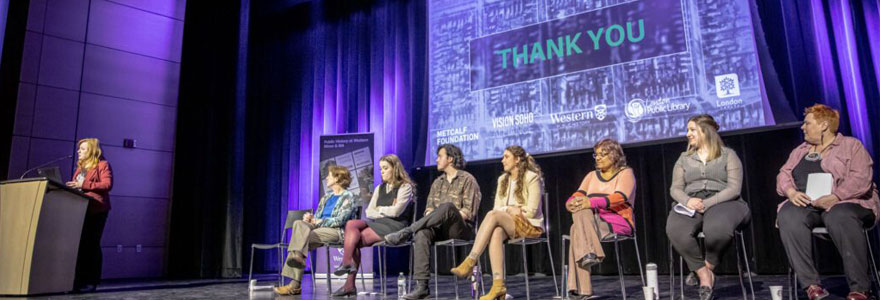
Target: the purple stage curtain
(363, 70)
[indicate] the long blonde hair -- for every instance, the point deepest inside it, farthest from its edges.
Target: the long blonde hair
(93, 156)
(398, 172)
(711, 139)
(526, 163)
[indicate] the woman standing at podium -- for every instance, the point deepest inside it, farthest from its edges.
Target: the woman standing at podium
(95, 178)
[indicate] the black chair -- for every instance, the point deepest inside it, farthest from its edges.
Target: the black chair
(454, 243)
(355, 214)
(822, 231)
(382, 247)
(739, 243)
(523, 242)
(613, 238)
(292, 216)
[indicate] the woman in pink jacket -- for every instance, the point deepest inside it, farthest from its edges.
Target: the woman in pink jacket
(95, 178)
(851, 206)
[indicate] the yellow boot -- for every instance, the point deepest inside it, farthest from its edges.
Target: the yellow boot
(293, 288)
(465, 268)
(497, 292)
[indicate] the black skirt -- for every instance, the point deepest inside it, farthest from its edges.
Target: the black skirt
(383, 226)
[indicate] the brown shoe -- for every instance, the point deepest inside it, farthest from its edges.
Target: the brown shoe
(815, 292)
(296, 260)
(858, 296)
(465, 268)
(497, 292)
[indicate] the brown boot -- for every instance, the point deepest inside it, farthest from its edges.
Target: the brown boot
(497, 292)
(465, 268)
(293, 288)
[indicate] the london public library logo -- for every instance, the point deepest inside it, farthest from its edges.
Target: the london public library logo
(727, 85)
(635, 109)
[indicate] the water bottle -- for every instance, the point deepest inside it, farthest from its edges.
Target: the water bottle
(475, 282)
(651, 269)
(401, 286)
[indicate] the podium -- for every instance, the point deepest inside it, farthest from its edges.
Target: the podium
(40, 226)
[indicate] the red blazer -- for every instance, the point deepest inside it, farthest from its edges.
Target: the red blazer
(97, 184)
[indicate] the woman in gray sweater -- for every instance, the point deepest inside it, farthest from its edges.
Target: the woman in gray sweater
(706, 179)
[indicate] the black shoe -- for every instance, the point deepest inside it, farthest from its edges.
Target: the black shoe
(398, 237)
(344, 293)
(345, 270)
(705, 293)
(692, 279)
(420, 292)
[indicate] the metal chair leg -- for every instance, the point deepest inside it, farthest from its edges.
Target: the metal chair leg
(639, 260)
(526, 271)
(562, 261)
(329, 288)
(681, 274)
(742, 240)
(454, 278)
(552, 266)
(739, 268)
(671, 274)
(311, 263)
(871, 254)
(436, 275)
(251, 272)
(619, 269)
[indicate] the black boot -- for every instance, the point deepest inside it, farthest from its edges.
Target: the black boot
(420, 292)
(398, 237)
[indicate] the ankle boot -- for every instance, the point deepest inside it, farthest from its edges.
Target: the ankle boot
(465, 268)
(497, 292)
(420, 292)
(293, 288)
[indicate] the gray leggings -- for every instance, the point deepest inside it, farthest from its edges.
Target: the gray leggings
(718, 224)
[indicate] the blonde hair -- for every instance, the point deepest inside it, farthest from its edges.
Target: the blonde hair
(526, 163)
(93, 155)
(398, 172)
(711, 140)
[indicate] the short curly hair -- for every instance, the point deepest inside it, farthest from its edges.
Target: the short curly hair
(342, 175)
(824, 113)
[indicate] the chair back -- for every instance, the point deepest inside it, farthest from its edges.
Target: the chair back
(292, 216)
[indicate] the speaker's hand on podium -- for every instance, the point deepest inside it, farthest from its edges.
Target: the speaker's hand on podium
(74, 184)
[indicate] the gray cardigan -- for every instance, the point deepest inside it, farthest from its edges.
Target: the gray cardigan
(722, 174)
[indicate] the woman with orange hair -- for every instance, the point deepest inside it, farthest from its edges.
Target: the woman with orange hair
(852, 205)
(95, 178)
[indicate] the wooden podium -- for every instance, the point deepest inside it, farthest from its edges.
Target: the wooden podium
(40, 225)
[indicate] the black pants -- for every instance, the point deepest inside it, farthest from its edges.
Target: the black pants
(443, 223)
(718, 224)
(89, 258)
(845, 223)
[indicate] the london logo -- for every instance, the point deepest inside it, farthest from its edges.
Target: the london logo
(727, 85)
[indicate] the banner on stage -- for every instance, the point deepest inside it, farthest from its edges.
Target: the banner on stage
(355, 152)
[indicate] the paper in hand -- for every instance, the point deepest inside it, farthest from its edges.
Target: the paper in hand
(684, 210)
(818, 185)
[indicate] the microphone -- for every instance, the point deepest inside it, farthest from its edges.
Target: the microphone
(45, 164)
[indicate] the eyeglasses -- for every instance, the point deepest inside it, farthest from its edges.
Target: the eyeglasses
(600, 154)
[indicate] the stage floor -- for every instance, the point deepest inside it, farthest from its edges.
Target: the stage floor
(605, 287)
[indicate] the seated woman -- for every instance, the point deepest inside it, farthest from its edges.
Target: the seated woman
(607, 192)
(851, 207)
(707, 179)
(517, 214)
(325, 226)
(387, 213)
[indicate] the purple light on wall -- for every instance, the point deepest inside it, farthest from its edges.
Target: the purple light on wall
(872, 20)
(848, 58)
(823, 55)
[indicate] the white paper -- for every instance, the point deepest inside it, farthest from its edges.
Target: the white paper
(818, 185)
(684, 210)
